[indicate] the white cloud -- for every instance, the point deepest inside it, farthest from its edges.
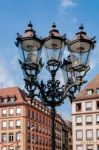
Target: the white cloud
(64, 5)
(67, 3)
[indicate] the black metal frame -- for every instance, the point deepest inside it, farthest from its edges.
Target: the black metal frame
(53, 93)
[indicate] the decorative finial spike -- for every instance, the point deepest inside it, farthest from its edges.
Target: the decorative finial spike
(30, 24)
(81, 27)
(54, 26)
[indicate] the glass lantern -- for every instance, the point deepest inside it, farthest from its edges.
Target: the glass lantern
(54, 45)
(80, 48)
(30, 46)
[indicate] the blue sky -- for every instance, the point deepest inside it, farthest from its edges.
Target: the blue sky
(67, 14)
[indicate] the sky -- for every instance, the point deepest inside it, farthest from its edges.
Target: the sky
(68, 16)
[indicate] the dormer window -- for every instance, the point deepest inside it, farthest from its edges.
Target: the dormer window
(4, 100)
(12, 99)
(89, 91)
(97, 90)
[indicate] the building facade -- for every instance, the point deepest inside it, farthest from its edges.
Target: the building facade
(85, 117)
(67, 136)
(24, 126)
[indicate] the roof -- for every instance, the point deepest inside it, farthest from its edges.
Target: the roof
(13, 92)
(92, 85)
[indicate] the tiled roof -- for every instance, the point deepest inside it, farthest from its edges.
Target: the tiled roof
(13, 91)
(93, 85)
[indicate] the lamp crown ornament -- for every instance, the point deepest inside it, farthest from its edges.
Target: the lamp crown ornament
(81, 28)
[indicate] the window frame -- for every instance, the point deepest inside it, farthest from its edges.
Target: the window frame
(77, 110)
(97, 115)
(11, 113)
(89, 123)
(79, 145)
(79, 139)
(79, 124)
(88, 108)
(87, 138)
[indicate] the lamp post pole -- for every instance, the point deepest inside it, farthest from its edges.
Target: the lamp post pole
(74, 67)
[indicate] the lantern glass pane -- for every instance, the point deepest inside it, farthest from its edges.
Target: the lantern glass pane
(79, 58)
(53, 43)
(53, 54)
(30, 45)
(76, 46)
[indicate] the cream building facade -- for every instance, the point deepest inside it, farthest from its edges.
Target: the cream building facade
(85, 117)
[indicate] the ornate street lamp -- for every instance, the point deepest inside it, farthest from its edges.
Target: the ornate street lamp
(75, 66)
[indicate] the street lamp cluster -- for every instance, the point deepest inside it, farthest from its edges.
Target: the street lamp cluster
(75, 65)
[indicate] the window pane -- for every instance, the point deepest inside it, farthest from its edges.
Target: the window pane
(78, 120)
(11, 123)
(4, 111)
(79, 134)
(4, 137)
(88, 106)
(89, 119)
(97, 90)
(18, 111)
(89, 134)
(79, 147)
(78, 107)
(4, 148)
(11, 111)
(4, 124)
(97, 118)
(97, 133)
(89, 147)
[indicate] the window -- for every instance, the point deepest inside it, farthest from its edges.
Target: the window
(89, 119)
(18, 111)
(28, 148)
(4, 100)
(97, 90)
(79, 135)
(89, 91)
(89, 147)
(11, 124)
(97, 133)
(79, 147)
(18, 123)
(79, 120)
(88, 106)
(89, 134)
(11, 112)
(78, 107)
(12, 99)
(97, 147)
(4, 124)
(11, 148)
(4, 148)
(4, 137)
(11, 137)
(28, 137)
(4, 112)
(18, 147)
(28, 124)
(18, 136)
(97, 104)
(97, 119)
(28, 112)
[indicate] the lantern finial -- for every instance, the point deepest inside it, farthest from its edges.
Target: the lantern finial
(81, 28)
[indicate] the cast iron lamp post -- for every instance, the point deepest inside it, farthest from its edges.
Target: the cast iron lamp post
(75, 66)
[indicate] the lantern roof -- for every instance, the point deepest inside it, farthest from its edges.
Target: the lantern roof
(29, 32)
